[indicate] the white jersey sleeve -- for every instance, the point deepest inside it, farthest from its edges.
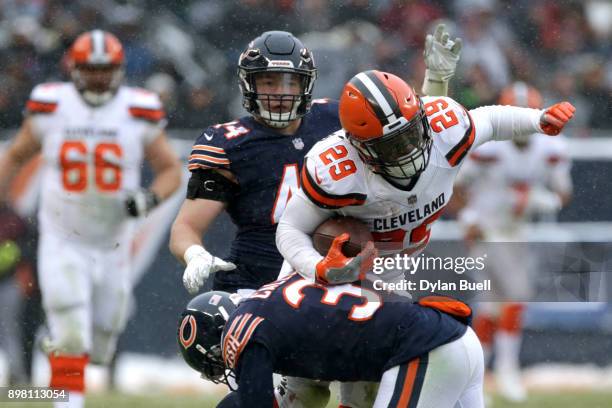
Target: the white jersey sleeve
(42, 103)
(293, 234)
(331, 179)
(146, 106)
(504, 122)
(452, 128)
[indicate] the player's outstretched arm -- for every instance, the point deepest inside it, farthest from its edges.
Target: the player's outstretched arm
(23, 147)
(506, 122)
(441, 56)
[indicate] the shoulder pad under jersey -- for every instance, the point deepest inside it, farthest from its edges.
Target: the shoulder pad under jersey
(333, 175)
(44, 98)
(452, 128)
(145, 105)
(209, 150)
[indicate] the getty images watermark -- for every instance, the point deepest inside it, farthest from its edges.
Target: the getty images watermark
(391, 273)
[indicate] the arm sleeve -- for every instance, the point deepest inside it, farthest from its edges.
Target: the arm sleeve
(504, 122)
(209, 184)
(300, 219)
(255, 368)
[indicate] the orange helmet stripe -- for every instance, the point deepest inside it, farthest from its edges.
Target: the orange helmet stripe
(96, 47)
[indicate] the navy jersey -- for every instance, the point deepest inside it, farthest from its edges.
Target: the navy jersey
(342, 332)
(266, 165)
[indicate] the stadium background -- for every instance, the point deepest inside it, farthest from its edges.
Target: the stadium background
(187, 51)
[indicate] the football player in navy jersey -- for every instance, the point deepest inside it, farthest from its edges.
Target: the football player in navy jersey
(250, 166)
(299, 328)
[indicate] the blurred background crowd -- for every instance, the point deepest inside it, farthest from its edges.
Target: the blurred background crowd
(187, 50)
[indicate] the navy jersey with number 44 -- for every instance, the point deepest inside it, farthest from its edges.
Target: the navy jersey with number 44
(266, 165)
(341, 332)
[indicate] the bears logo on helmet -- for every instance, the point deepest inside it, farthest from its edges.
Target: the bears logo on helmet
(199, 333)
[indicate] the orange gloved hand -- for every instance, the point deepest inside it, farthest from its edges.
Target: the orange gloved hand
(555, 117)
(336, 268)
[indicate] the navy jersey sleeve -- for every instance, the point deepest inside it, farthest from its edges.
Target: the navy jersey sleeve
(209, 151)
(254, 372)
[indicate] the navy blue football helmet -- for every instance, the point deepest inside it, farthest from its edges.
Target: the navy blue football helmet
(281, 52)
(199, 333)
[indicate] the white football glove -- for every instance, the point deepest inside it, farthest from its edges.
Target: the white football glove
(441, 57)
(200, 264)
(543, 201)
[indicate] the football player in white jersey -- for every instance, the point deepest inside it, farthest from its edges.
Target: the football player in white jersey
(93, 135)
(393, 166)
(501, 187)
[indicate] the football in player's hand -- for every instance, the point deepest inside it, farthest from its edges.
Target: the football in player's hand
(326, 232)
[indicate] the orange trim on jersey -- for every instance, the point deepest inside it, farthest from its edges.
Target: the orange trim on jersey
(234, 342)
(68, 371)
(208, 148)
(447, 305)
(152, 115)
(409, 381)
(483, 159)
(209, 158)
(33, 106)
(458, 152)
(326, 200)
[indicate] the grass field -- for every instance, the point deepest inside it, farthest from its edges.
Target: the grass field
(536, 400)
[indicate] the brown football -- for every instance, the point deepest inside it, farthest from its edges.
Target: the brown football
(326, 232)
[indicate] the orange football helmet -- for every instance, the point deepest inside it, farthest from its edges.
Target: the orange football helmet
(525, 96)
(521, 94)
(384, 119)
(96, 65)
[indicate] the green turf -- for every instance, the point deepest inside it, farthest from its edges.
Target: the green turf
(560, 400)
(536, 400)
